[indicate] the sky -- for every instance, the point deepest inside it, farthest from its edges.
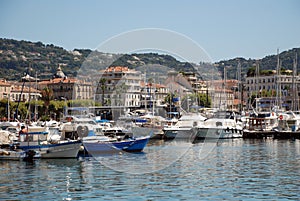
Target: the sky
(224, 29)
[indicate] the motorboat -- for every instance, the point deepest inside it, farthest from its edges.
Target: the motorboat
(112, 139)
(38, 139)
(288, 121)
(10, 150)
(73, 127)
(102, 137)
(222, 125)
(98, 145)
(182, 127)
(261, 121)
(13, 152)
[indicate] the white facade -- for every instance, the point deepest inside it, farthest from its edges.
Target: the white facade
(273, 84)
(121, 87)
(283, 83)
(5, 88)
(25, 94)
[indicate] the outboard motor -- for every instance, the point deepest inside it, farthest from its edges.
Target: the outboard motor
(29, 155)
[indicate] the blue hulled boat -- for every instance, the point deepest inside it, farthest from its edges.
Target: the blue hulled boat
(97, 145)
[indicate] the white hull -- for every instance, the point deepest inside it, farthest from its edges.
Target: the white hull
(219, 133)
(67, 149)
(223, 125)
(17, 155)
(145, 131)
(12, 155)
(171, 133)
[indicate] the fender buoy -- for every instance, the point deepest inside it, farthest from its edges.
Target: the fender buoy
(280, 117)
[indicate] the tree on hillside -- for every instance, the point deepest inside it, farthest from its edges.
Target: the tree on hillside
(251, 72)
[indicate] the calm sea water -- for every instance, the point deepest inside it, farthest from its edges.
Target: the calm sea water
(177, 170)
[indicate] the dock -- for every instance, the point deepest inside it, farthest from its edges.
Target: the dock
(271, 134)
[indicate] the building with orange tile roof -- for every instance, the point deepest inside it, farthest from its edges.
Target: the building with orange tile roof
(24, 93)
(65, 88)
(119, 85)
(154, 92)
(68, 88)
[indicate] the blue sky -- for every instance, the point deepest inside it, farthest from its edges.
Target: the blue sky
(224, 29)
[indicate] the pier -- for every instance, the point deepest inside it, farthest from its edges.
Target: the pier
(271, 134)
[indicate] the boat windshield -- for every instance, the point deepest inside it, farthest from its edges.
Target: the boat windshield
(224, 115)
(85, 122)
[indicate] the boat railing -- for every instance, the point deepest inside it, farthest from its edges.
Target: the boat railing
(257, 123)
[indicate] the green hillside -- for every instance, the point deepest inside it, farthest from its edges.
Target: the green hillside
(267, 63)
(19, 57)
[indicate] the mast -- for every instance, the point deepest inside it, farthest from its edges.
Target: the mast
(294, 86)
(35, 106)
(256, 83)
(8, 107)
(278, 84)
(29, 100)
(153, 99)
(145, 89)
(239, 85)
(224, 88)
(20, 96)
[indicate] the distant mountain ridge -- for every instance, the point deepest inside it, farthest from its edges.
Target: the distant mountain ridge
(18, 57)
(286, 59)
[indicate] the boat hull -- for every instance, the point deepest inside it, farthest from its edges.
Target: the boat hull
(67, 149)
(18, 155)
(170, 134)
(180, 133)
(12, 155)
(218, 133)
(95, 147)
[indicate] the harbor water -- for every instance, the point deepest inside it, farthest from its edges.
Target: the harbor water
(239, 169)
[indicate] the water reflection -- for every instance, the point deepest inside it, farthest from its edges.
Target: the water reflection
(233, 169)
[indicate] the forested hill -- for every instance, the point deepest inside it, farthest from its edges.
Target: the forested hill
(286, 59)
(17, 57)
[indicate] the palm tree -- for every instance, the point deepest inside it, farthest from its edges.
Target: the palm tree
(47, 96)
(103, 87)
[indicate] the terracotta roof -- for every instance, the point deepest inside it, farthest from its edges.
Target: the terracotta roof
(219, 90)
(4, 83)
(17, 88)
(116, 69)
(59, 80)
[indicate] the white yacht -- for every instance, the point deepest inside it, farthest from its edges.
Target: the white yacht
(184, 124)
(223, 125)
(261, 121)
